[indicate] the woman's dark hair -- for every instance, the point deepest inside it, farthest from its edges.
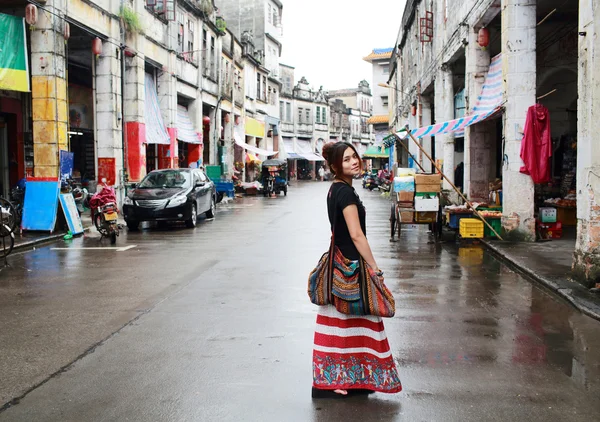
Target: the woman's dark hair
(333, 152)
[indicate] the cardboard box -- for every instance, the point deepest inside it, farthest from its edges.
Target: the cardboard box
(405, 204)
(406, 196)
(428, 179)
(426, 217)
(406, 217)
(429, 188)
(427, 204)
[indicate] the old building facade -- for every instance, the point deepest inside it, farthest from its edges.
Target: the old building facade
(490, 61)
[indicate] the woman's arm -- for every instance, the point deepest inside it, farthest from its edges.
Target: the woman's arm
(357, 235)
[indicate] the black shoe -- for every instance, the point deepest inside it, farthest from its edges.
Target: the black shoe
(318, 393)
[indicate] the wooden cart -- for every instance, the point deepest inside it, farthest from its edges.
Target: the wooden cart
(399, 215)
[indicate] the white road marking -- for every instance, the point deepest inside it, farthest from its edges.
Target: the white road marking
(109, 248)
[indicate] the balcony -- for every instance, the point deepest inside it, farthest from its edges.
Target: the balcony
(305, 128)
(286, 127)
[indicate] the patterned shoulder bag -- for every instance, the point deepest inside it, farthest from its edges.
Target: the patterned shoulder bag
(352, 286)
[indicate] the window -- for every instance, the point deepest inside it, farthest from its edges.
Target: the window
(384, 100)
(324, 115)
(288, 109)
(318, 120)
(264, 94)
(300, 110)
(281, 109)
(258, 86)
(307, 116)
(269, 96)
(269, 14)
(212, 57)
(190, 44)
(275, 17)
(205, 58)
(180, 32)
(274, 97)
(386, 70)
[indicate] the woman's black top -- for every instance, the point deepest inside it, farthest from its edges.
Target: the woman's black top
(340, 196)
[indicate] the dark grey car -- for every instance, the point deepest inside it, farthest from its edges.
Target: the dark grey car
(170, 195)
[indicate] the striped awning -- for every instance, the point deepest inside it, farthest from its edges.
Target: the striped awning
(156, 131)
(488, 104)
(305, 150)
(185, 128)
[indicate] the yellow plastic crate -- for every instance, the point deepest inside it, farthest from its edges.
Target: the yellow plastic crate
(471, 228)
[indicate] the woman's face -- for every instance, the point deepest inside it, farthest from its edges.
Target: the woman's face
(350, 163)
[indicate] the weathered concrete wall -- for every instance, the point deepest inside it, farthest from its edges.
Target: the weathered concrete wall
(586, 264)
(519, 74)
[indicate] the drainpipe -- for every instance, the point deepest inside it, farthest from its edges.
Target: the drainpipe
(123, 127)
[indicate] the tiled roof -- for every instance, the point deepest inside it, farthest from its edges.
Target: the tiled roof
(381, 118)
(379, 54)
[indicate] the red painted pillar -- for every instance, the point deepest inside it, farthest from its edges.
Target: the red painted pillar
(136, 150)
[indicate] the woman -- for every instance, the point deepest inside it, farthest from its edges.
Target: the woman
(351, 353)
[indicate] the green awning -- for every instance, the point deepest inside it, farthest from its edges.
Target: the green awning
(375, 151)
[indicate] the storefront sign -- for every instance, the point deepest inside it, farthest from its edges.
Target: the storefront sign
(66, 164)
(14, 68)
(255, 127)
(107, 170)
(67, 203)
(81, 111)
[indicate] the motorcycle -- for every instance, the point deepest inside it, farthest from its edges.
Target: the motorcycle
(385, 184)
(369, 181)
(104, 212)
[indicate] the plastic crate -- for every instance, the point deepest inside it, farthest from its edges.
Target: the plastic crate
(213, 172)
(454, 222)
(226, 187)
(496, 223)
(471, 228)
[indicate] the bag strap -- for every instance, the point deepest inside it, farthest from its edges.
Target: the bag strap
(332, 249)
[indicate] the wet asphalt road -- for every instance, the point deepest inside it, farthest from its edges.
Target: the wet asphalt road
(213, 324)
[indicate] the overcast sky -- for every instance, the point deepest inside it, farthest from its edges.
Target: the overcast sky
(325, 40)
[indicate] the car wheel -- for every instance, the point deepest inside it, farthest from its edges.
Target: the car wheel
(191, 223)
(213, 208)
(132, 224)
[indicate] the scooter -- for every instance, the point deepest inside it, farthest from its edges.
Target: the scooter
(104, 213)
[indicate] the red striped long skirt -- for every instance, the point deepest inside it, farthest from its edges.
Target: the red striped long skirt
(352, 352)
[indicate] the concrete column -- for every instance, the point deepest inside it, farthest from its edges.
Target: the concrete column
(519, 75)
(426, 141)
(109, 116)
(477, 65)
(135, 95)
(444, 111)
(49, 89)
(586, 263)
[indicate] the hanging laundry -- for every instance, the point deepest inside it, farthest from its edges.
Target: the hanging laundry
(536, 146)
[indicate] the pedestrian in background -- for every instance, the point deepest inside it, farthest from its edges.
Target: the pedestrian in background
(351, 353)
(321, 173)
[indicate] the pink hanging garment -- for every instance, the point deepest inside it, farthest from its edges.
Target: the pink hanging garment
(536, 146)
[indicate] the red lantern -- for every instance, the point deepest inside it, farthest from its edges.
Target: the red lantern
(483, 37)
(67, 31)
(413, 110)
(206, 120)
(31, 14)
(97, 46)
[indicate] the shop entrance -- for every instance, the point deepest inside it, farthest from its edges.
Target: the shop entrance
(81, 105)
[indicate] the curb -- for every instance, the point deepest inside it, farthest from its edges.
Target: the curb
(564, 291)
(47, 239)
